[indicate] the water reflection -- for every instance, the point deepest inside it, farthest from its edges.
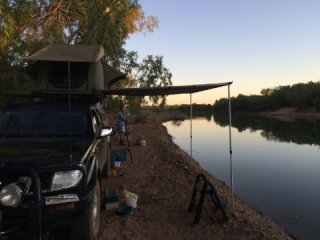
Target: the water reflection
(201, 116)
(277, 129)
(300, 131)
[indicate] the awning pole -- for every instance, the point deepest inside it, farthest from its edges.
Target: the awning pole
(230, 147)
(190, 130)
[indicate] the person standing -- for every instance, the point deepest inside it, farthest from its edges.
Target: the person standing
(121, 125)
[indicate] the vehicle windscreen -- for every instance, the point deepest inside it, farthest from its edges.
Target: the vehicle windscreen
(43, 121)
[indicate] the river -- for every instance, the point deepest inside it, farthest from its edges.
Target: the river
(275, 165)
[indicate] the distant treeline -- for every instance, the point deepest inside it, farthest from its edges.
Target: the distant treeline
(196, 108)
(185, 108)
(301, 95)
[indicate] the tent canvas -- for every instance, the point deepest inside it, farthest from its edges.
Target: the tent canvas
(69, 53)
(82, 65)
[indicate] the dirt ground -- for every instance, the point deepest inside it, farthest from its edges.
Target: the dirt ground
(163, 177)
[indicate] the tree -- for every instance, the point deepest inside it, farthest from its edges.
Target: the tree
(299, 95)
(152, 73)
(266, 92)
(316, 103)
(35, 23)
(28, 26)
(149, 73)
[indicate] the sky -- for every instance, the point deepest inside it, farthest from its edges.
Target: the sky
(254, 43)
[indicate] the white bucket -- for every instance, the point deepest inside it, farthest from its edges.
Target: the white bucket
(131, 199)
(117, 164)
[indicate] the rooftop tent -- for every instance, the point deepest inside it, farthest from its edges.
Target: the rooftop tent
(69, 53)
(87, 71)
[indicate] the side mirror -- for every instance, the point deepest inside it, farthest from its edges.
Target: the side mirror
(105, 131)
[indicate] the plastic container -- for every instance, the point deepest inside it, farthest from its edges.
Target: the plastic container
(131, 199)
(117, 164)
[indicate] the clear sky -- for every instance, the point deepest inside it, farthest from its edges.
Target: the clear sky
(254, 43)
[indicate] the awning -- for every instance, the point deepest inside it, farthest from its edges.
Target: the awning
(69, 53)
(157, 91)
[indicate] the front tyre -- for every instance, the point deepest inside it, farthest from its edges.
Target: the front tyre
(88, 225)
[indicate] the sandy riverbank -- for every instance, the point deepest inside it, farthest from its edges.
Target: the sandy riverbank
(162, 177)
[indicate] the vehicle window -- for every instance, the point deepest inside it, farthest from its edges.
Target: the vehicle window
(42, 122)
(58, 74)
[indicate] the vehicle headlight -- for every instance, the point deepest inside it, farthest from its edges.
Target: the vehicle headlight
(63, 180)
(10, 195)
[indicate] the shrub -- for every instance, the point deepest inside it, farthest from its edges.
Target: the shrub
(316, 103)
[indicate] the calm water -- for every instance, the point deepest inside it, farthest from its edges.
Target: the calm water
(276, 164)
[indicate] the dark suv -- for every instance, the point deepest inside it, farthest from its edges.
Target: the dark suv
(53, 156)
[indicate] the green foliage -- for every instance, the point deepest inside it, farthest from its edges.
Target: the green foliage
(149, 73)
(298, 95)
(134, 104)
(316, 103)
(198, 109)
(27, 26)
(152, 73)
(30, 25)
(303, 95)
(110, 23)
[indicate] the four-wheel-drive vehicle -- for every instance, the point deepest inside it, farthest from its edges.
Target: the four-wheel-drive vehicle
(54, 144)
(53, 156)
